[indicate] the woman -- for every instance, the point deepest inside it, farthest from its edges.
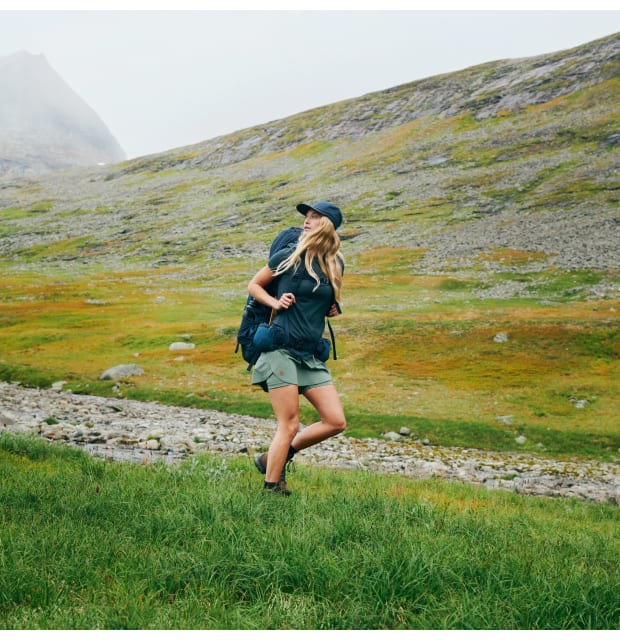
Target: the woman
(309, 283)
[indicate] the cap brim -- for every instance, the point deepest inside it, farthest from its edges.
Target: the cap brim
(303, 208)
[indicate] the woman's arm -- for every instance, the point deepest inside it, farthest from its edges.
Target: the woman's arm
(256, 288)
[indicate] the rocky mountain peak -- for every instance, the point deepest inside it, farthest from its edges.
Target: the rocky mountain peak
(44, 124)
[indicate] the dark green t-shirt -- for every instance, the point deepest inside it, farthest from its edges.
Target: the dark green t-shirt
(305, 318)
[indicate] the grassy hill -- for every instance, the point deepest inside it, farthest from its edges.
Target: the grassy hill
(476, 203)
(90, 544)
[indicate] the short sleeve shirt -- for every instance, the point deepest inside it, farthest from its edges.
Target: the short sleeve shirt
(305, 318)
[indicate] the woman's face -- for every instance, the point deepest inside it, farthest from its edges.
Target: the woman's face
(312, 220)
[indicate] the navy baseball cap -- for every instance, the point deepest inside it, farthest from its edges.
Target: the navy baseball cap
(325, 208)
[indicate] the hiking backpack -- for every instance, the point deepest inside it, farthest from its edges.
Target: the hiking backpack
(255, 313)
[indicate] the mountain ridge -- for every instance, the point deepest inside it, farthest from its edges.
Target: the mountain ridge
(478, 179)
(357, 117)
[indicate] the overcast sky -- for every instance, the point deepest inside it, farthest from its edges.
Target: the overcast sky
(164, 79)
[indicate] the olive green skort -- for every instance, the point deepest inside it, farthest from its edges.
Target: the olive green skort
(280, 368)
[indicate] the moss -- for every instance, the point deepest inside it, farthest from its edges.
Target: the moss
(571, 285)
(450, 284)
(513, 257)
(41, 207)
(33, 212)
(311, 149)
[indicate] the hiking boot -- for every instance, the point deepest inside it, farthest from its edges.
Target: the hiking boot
(261, 464)
(280, 488)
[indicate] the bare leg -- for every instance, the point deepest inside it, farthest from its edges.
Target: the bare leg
(285, 403)
(327, 402)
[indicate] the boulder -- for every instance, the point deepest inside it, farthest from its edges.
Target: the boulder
(179, 346)
(391, 435)
(121, 371)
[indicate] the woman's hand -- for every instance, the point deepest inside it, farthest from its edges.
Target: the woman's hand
(285, 301)
(334, 311)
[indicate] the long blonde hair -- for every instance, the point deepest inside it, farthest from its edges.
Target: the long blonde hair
(322, 243)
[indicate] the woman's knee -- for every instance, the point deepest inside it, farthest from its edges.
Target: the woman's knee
(290, 428)
(338, 425)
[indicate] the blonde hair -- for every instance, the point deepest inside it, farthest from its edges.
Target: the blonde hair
(322, 243)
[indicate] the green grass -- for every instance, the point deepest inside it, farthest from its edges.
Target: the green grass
(93, 544)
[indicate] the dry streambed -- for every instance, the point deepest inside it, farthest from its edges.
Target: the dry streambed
(149, 431)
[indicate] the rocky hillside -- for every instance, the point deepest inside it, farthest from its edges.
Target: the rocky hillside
(510, 165)
(44, 124)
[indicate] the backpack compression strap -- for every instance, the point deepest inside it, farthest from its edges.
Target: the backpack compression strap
(333, 337)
